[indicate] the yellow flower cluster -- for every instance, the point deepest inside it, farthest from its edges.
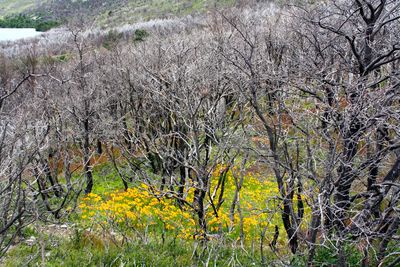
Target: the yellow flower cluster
(138, 210)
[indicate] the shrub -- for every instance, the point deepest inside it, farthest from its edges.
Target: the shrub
(140, 35)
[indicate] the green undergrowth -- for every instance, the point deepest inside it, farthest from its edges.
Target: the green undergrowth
(79, 244)
(106, 179)
(84, 249)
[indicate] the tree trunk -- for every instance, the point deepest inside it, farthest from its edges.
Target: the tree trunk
(87, 168)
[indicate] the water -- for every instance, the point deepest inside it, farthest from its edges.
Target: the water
(7, 34)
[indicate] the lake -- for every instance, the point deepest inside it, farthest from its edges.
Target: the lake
(7, 34)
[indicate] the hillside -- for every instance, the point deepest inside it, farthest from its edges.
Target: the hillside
(9, 7)
(109, 12)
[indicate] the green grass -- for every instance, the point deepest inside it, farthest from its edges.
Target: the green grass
(82, 249)
(85, 249)
(106, 179)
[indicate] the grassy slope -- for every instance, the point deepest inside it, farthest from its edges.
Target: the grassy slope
(148, 9)
(8, 7)
(114, 15)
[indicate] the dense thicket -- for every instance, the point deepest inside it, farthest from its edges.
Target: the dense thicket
(24, 21)
(310, 93)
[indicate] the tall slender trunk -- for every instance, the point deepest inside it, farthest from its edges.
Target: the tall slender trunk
(346, 174)
(87, 168)
(199, 196)
(181, 186)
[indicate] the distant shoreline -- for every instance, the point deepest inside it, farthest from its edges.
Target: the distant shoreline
(15, 34)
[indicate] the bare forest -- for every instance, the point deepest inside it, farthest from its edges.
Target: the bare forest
(262, 134)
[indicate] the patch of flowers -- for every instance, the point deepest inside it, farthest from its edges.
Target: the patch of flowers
(140, 210)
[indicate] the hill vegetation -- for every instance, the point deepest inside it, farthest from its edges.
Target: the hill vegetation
(24, 21)
(13, 7)
(108, 13)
